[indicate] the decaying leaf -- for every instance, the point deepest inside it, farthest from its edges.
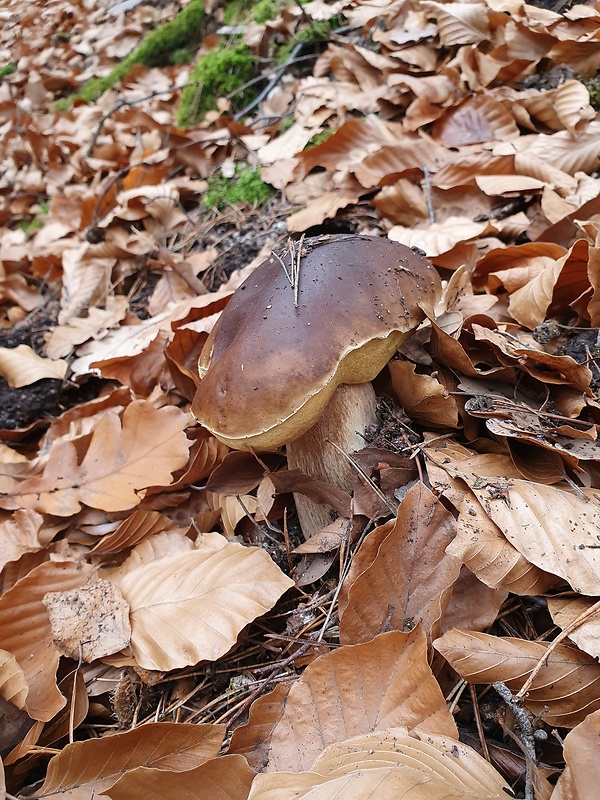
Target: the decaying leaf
(410, 578)
(89, 622)
(392, 676)
(21, 366)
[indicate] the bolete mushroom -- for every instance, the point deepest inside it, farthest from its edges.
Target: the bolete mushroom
(291, 358)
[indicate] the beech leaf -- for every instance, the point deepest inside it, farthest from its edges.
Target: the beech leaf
(124, 457)
(565, 691)
(388, 765)
(191, 606)
(85, 770)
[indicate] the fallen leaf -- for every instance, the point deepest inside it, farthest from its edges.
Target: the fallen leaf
(410, 579)
(579, 781)
(390, 674)
(386, 765)
(565, 691)
(21, 366)
(125, 455)
(191, 606)
(85, 770)
(226, 778)
(26, 633)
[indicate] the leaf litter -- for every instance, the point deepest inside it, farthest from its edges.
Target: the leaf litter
(164, 628)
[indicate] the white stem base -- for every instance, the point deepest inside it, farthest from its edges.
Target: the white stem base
(350, 412)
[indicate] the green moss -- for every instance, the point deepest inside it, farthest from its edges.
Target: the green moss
(245, 187)
(236, 12)
(185, 55)
(7, 70)
(592, 84)
(156, 49)
(319, 30)
(319, 138)
(265, 10)
(33, 224)
(219, 73)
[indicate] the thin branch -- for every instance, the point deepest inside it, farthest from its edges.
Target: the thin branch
(122, 103)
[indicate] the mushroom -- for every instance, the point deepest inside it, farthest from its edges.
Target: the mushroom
(291, 358)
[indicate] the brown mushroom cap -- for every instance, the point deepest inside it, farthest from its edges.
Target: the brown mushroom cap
(269, 368)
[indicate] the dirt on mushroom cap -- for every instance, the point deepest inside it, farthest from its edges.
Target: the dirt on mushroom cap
(270, 367)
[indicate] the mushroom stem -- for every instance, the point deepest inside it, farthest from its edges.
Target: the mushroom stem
(345, 420)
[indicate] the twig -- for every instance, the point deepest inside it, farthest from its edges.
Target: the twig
(523, 720)
(393, 509)
(583, 617)
(273, 82)
(427, 177)
(121, 104)
(477, 715)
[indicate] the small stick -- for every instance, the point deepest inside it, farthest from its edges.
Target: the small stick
(477, 715)
(524, 722)
(427, 177)
(121, 104)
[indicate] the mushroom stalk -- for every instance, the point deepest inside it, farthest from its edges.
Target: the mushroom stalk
(345, 421)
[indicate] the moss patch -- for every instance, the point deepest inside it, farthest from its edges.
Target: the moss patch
(319, 138)
(219, 73)
(245, 187)
(592, 84)
(318, 31)
(156, 49)
(7, 70)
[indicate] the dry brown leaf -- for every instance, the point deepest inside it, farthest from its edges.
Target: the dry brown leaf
(475, 120)
(21, 366)
(459, 23)
(387, 765)
(253, 739)
(566, 609)
(553, 289)
(473, 605)
(125, 455)
(89, 622)
(396, 686)
(552, 528)
(480, 544)
(423, 397)
(225, 778)
(191, 606)
(565, 691)
(20, 534)
(31, 643)
(83, 770)
(13, 686)
(581, 775)
(139, 525)
(410, 579)
(440, 237)
(64, 338)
